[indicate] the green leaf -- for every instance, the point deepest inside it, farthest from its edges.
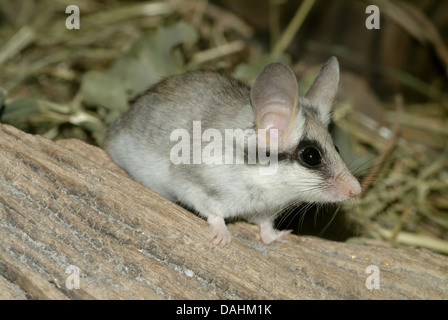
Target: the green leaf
(134, 74)
(20, 109)
(102, 90)
(153, 57)
(2, 97)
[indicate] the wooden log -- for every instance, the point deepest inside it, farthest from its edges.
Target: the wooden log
(66, 207)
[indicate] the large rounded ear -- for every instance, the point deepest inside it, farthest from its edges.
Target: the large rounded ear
(324, 88)
(274, 98)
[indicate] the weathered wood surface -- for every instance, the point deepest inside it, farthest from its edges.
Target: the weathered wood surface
(65, 204)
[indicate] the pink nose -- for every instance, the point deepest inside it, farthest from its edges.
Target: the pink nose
(349, 187)
(353, 187)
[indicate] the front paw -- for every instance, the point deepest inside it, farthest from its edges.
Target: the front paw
(220, 237)
(219, 234)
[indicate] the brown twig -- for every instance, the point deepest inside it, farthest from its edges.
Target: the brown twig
(399, 224)
(293, 27)
(367, 181)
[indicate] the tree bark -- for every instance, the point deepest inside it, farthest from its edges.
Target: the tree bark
(66, 207)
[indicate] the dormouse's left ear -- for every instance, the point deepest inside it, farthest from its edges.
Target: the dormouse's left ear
(324, 88)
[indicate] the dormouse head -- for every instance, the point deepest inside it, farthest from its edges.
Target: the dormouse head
(308, 161)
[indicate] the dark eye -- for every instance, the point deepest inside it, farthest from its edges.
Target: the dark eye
(310, 156)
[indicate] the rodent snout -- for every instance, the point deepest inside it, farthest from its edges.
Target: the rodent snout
(346, 188)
